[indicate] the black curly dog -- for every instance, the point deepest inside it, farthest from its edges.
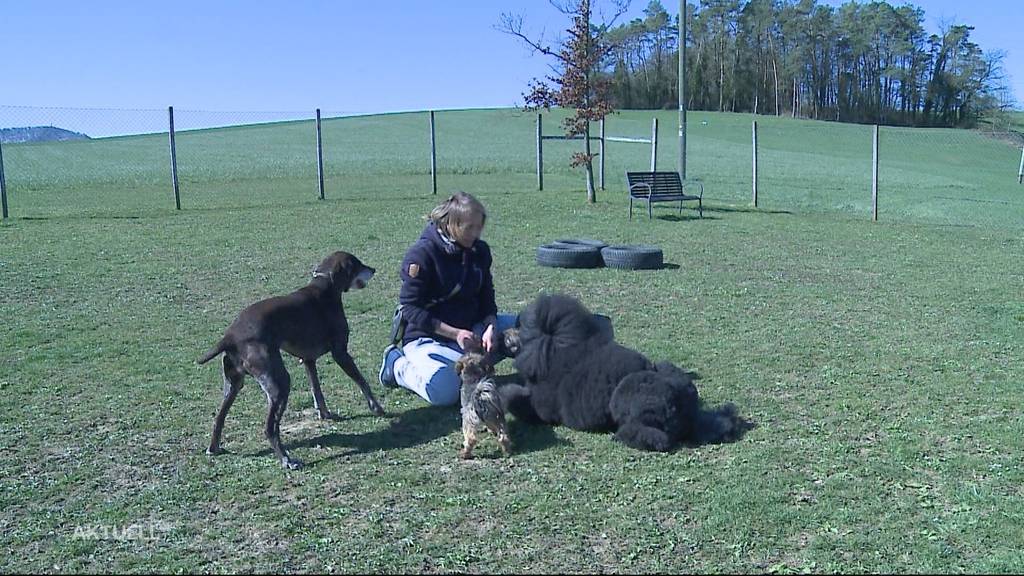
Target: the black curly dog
(576, 375)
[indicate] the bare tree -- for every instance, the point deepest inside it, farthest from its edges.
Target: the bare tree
(576, 83)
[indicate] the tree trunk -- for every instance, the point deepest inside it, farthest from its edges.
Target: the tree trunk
(775, 72)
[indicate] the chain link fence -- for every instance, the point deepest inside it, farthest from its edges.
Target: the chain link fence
(78, 161)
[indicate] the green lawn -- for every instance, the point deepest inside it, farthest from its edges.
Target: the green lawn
(881, 363)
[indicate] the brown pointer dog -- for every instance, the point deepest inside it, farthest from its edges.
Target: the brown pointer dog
(307, 324)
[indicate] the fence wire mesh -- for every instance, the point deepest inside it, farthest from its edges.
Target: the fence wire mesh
(82, 161)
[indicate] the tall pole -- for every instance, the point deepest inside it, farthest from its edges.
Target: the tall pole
(433, 155)
(319, 155)
(540, 153)
(1020, 171)
(174, 158)
(874, 174)
(753, 135)
(601, 154)
(682, 90)
(654, 144)
(3, 183)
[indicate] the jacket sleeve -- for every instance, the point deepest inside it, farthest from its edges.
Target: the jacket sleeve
(487, 305)
(417, 290)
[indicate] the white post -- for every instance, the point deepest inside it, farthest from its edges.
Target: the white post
(601, 153)
(654, 145)
(874, 174)
(1020, 171)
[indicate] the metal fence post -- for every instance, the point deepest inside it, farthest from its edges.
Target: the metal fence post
(319, 155)
(753, 136)
(174, 159)
(874, 174)
(601, 154)
(654, 144)
(540, 153)
(3, 183)
(1020, 171)
(433, 155)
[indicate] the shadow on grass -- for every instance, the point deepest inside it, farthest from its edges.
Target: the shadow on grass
(528, 437)
(722, 209)
(406, 430)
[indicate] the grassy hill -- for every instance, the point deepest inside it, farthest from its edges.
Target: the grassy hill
(880, 362)
(941, 176)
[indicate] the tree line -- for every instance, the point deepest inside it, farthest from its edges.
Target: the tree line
(869, 62)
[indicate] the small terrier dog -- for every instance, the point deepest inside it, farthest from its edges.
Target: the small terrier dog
(480, 403)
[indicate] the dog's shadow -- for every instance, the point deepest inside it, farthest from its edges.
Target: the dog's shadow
(405, 430)
(726, 416)
(529, 437)
(719, 425)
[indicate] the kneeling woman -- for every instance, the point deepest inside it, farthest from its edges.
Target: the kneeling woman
(446, 301)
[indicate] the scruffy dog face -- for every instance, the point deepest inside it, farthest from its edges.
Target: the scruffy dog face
(480, 403)
(509, 344)
(474, 367)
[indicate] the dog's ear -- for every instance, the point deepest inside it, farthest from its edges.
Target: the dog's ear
(488, 363)
(460, 365)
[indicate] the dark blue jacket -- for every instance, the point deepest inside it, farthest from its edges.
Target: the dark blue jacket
(431, 269)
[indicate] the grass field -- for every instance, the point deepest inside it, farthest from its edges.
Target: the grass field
(881, 363)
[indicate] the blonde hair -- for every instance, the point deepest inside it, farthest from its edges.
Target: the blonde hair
(456, 213)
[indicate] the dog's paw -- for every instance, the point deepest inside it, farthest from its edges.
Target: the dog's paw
(506, 445)
(214, 450)
(376, 408)
(291, 463)
(465, 454)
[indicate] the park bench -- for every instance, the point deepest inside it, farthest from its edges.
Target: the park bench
(654, 187)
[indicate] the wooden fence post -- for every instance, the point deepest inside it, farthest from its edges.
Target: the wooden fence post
(319, 155)
(601, 153)
(540, 154)
(174, 158)
(433, 155)
(753, 135)
(3, 184)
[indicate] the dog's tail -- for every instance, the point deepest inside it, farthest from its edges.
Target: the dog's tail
(219, 347)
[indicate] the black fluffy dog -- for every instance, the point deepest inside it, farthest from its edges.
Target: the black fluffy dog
(576, 375)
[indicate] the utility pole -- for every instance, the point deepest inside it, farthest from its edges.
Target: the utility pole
(682, 90)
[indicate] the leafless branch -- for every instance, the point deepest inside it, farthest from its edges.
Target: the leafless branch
(512, 24)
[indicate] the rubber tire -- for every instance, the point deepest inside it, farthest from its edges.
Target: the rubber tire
(564, 256)
(581, 242)
(633, 257)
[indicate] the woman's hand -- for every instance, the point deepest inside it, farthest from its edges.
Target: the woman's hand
(490, 339)
(466, 339)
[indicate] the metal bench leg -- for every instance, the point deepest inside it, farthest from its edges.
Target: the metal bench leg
(650, 213)
(680, 207)
(700, 207)
(630, 207)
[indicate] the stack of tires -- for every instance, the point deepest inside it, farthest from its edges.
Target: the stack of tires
(585, 253)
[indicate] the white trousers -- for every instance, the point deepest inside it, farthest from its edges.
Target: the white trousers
(427, 367)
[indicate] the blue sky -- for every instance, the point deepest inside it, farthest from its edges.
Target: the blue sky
(343, 56)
